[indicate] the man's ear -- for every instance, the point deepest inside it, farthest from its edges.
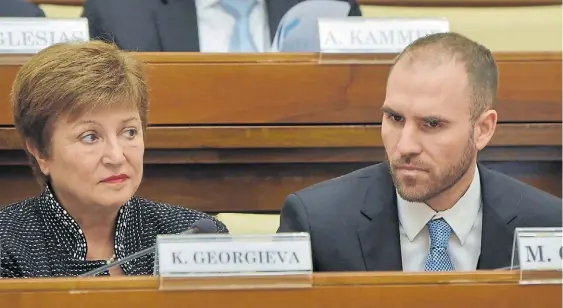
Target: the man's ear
(41, 161)
(485, 128)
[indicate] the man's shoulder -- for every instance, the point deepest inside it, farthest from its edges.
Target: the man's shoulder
(109, 4)
(538, 207)
(19, 8)
(112, 9)
(120, 11)
(530, 203)
(340, 190)
(169, 218)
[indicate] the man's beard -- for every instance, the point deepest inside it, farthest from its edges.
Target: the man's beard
(437, 183)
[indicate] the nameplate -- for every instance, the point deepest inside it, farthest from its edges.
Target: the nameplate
(375, 35)
(539, 249)
(31, 35)
(204, 255)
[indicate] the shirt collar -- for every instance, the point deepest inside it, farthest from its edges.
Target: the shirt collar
(414, 216)
(205, 4)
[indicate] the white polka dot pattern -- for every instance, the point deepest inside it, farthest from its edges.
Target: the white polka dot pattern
(438, 258)
(39, 238)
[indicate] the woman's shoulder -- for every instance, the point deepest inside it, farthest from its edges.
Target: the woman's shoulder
(18, 215)
(169, 218)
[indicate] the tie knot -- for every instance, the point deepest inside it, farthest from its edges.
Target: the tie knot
(239, 8)
(440, 232)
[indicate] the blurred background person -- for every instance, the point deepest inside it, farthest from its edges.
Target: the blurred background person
(81, 110)
(190, 25)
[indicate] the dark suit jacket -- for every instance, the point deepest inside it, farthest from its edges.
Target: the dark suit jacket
(354, 224)
(19, 8)
(163, 25)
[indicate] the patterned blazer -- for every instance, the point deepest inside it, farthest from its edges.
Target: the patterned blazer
(38, 238)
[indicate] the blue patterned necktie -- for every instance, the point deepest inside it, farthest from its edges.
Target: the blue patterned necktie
(438, 258)
(241, 40)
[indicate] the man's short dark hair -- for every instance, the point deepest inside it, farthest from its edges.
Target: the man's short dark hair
(480, 65)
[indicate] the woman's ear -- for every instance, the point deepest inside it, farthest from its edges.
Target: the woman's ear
(41, 161)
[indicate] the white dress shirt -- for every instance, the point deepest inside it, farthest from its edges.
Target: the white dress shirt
(216, 26)
(465, 218)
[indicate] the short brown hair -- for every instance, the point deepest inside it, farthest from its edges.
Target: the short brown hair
(67, 80)
(480, 65)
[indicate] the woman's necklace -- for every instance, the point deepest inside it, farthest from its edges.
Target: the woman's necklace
(110, 260)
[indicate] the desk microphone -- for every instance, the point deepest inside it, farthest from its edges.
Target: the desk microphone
(200, 226)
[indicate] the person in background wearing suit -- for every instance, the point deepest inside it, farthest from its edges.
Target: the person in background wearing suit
(19, 8)
(81, 109)
(189, 25)
(431, 206)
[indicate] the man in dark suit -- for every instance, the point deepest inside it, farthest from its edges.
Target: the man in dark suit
(431, 206)
(19, 8)
(187, 25)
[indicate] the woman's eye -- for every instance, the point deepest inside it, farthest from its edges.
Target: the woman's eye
(90, 138)
(131, 132)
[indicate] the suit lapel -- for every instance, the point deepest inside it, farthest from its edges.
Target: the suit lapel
(378, 229)
(176, 23)
(276, 9)
(498, 213)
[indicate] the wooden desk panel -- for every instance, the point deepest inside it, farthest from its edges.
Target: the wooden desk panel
(305, 137)
(255, 187)
(295, 89)
(253, 169)
(486, 289)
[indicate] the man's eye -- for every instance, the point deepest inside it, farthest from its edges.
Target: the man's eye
(433, 123)
(395, 118)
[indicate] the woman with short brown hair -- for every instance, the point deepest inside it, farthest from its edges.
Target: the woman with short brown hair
(81, 110)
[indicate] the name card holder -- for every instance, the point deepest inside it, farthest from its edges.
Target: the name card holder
(29, 35)
(225, 261)
(538, 254)
(372, 40)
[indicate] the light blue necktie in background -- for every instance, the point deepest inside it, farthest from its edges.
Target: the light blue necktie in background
(241, 40)
(438, 258)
